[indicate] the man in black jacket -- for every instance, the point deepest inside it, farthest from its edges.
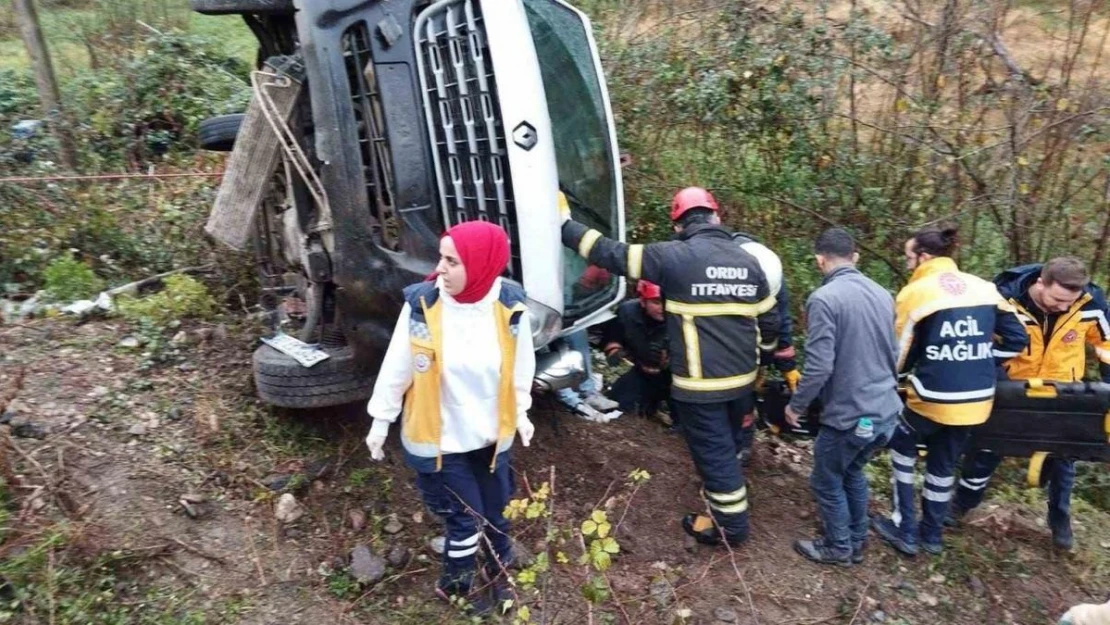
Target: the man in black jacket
(720, 313)
(639, 334)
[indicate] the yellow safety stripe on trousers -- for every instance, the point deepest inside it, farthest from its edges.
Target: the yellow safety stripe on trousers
(728, 503)
(719, 310)
(732, 497)
(635, 261)
(733, 508)
(693, 346)
(586, 243)
(714, 384)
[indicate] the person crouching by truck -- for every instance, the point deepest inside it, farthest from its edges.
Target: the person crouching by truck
(1063, 312)
(459, 368)
(850, 351)
(639, 334)
(954, 329)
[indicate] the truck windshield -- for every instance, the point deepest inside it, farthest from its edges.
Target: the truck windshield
(584, 155)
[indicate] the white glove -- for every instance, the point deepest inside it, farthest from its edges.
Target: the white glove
(375, 440)
(525, 429)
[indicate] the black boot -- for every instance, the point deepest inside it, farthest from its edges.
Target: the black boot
(463, 595)
(705, 531)
(497, 579)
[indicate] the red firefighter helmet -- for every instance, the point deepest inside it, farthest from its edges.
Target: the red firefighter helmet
(648, 290)
(689, 198)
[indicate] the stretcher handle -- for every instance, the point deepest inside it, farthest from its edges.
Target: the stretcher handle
(1033, 472)
(1039, 389)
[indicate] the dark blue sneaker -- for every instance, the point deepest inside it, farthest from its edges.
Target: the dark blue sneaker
(817, 551)
(857, 552)
(934, 549)
(889, 532)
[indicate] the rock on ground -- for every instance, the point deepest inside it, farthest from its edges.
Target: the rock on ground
(288, 509)
(366, 567)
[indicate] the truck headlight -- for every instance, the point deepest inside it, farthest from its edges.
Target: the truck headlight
(546, 323)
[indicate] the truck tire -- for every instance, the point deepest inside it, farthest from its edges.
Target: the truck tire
(282, 381)
(218, 133)
(239, 7)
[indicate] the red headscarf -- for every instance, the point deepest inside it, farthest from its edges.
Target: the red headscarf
(484, 251)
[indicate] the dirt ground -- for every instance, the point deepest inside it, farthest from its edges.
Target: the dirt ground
(152, 485)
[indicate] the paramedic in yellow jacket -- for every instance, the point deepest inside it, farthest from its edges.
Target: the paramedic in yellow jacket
(951, 326)
(1063, 314)
(459, 369)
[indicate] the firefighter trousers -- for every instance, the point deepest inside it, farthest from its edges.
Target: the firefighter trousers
(711, 431)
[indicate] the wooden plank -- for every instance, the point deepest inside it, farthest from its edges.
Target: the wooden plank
(256, 155)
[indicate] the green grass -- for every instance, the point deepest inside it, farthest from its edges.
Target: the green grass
(50, 576)
(230, 33)
(61, 30)
(5, 513)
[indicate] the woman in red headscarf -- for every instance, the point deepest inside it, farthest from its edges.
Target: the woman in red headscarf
(459, 368)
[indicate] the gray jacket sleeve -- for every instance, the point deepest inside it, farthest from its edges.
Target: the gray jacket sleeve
(820, 354)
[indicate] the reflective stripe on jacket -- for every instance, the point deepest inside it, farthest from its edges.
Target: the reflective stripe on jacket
(422, 422)
(951, 327)
(720, 309)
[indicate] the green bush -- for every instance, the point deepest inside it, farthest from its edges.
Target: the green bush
(183, 297)
(1092, 482)
(67, 279)
(138, 109)
(148, 107)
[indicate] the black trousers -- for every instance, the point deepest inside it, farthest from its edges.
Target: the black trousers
(643, 392)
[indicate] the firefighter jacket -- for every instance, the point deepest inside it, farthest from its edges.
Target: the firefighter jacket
(719, 306)
(1056, 351)
(643, 339)
(953, 329)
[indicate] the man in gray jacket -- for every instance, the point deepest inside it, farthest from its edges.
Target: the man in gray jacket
(850, 365)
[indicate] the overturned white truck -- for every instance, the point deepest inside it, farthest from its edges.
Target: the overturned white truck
(373, 126)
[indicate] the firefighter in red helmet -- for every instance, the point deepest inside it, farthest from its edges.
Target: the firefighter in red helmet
(720, 311)
(639, 334)
(782, 356)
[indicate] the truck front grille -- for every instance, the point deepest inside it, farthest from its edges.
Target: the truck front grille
(377, 166)
(460, 98)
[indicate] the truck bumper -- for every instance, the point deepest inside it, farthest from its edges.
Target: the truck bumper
(558, 368)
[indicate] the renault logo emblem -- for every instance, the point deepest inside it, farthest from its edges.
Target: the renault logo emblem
(525, 136)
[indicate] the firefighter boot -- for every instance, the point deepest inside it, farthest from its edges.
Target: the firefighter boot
(705, 531)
